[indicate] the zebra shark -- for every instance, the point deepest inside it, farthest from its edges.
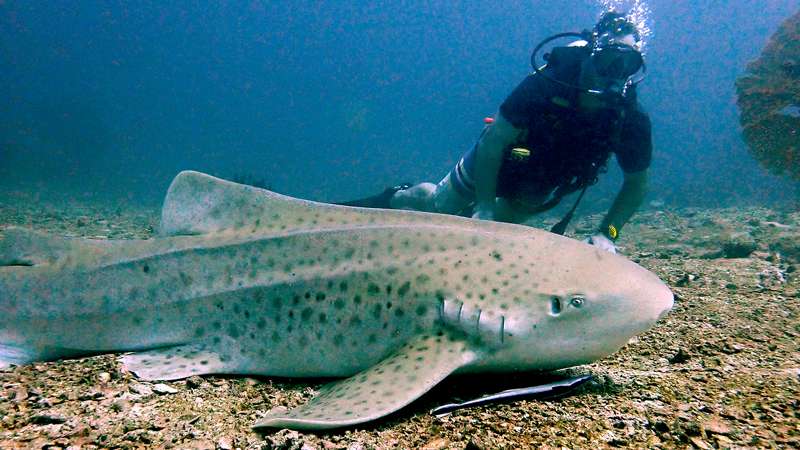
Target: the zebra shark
(240, 280)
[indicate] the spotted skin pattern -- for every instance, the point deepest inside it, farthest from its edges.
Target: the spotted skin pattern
(245, 281)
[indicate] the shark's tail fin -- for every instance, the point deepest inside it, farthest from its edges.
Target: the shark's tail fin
(23, 247)
(13, 355)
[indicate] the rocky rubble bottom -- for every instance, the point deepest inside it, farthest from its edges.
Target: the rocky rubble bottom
(721, 371)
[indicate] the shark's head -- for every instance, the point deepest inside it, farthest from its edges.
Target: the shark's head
(582, 305)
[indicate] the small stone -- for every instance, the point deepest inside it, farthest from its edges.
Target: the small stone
(225, 443)
(700, 443)
(436, 444)
(20, 394)
(104, 377)
(475, 444)
(163, 389)
(679, 357)
(716, 426)
(47, 419)
(692, 428)
(194, 382)
(141, 389)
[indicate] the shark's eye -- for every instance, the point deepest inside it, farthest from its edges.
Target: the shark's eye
(577, 301)
(555, 305)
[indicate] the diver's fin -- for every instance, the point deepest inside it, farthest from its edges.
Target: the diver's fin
(197, 203)
(173, 363)
(380, 390)
(382, 200)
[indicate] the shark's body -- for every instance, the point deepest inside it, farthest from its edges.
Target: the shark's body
(246, 281)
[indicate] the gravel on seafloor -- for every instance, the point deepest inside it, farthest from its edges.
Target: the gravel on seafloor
(722, 370)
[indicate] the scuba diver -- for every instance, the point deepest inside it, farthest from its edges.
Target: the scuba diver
(551, 137)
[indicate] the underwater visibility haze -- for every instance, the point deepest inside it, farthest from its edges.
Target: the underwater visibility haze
(336, 100)
(140, 259)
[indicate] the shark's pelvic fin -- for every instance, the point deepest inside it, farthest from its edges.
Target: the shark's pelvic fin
(380, 390)
(173, 363)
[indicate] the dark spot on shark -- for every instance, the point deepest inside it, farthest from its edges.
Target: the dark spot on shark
(146, 268)
(320, 296)
(323, 318)
(343, 286)
(306, 314)
(376, 311)
(261, 324)
(357, 299)
(338, 340)
(373, 289)
(199, 332)
(233, 331)
(338, 303)
(404, 288)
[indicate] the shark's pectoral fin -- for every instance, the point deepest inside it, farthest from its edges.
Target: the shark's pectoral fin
(380, 390)
(173, 363)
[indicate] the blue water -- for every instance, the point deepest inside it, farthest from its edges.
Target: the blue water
(333, 100)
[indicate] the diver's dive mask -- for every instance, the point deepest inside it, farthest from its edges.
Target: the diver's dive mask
(615, 56)
(616, 60)
(615, 47)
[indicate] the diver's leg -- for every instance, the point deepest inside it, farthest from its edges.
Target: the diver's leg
(444, 197)
(418, 198)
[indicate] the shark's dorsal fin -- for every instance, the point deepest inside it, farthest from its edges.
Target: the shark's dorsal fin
(197, 203)
(24, 247)
(380, 390)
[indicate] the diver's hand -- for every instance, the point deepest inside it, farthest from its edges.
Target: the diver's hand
(483, 213)
(600, 241)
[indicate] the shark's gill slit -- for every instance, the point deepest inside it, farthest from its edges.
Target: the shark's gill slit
(555, 305)
(502, 329)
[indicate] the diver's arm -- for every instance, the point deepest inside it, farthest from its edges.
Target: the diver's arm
(628, 200)
(488, 158)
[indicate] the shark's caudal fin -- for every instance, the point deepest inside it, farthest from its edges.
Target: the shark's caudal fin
(23, 247)
(197, 203)
(379, 390)
(14, 355)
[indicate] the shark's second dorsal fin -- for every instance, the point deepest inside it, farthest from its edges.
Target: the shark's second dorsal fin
(24, 247)
(197, 203)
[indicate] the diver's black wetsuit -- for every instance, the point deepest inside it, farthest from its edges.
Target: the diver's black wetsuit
(568, 146)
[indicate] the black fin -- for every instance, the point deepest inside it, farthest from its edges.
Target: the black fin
(381, 200)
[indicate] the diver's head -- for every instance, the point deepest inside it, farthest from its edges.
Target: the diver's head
(615, 56)
(616, 45)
